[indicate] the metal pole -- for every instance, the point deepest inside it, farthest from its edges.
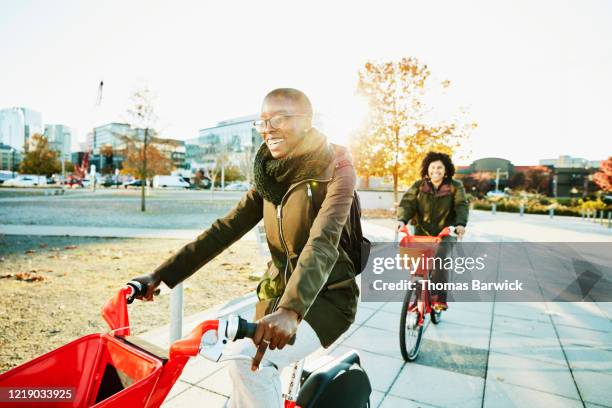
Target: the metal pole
(493, 208)
(176, 313)
(522, 209)
(497, 179)
(609, 219)
(143, 176)
(13, 162)
(582, 213)
(551, 212)
(601, 213)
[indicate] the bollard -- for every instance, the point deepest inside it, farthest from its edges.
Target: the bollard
(601, 217)
(176, 313)
(522, 209)
(493, 208)
(582, 214)
(551, 212)
(609, 219)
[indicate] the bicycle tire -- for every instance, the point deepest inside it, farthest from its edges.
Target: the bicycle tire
(436, 317)
(409, 352)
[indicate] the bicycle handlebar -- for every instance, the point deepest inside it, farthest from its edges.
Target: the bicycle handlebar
(245, 329)
(137, 289)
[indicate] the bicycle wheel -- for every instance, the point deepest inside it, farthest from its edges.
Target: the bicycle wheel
(436, 317)
(411, 333)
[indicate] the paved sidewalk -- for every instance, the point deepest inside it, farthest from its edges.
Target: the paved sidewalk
(481, 355)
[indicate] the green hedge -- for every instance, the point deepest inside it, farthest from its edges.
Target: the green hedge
(538, 204)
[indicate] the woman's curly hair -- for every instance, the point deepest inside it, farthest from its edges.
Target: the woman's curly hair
(449, 167)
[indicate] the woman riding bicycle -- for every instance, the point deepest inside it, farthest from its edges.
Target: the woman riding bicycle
(433, 203)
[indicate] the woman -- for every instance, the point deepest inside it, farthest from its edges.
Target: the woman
(303, 191)
(433, 203)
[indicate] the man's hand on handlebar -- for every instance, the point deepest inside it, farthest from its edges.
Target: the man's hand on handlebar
(274, 331)
(151, 282)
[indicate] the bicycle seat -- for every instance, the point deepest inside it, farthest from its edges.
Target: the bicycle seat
(341, 382)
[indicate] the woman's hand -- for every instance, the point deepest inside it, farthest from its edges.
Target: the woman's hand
(274, 331)
(151, 282)
(460, 230)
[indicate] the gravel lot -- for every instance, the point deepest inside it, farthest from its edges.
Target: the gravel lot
(79, 274)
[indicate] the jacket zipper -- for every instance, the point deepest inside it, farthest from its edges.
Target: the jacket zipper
(310, 206)
(279, 216)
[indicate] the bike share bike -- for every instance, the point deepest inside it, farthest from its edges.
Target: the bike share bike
(117, 370)
(417, 305)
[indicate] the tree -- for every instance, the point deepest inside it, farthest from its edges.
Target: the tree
(245, 163)
(478, 183)
(603, 178)
(68, 166)
(537, 179)
(142, 119)
(107, 153)
(157, 163)
(401, 128)
(39, 158)
(517, 181)
(233, 173)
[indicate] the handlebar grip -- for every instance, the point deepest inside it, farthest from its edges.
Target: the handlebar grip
(245, 329)
(138, 290)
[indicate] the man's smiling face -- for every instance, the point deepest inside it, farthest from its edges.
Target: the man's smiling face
(282, 140)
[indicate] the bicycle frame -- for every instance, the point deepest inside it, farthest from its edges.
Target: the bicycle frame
(416, 246)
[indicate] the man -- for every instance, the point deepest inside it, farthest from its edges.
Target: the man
(303, 191)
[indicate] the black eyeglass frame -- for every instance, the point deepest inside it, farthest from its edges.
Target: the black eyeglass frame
(260, 125)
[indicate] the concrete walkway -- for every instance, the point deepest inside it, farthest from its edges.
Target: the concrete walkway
(481, 355)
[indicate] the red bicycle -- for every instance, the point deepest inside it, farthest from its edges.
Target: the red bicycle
(417, 303)
(117, 370)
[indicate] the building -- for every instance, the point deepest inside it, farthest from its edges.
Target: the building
(110, 134)
(9, 158)
(569, 176)
(572, 176)
(107, 146)
(17, 125)
(60, 139)
(173, 149)
(236, 139)
(570, 162)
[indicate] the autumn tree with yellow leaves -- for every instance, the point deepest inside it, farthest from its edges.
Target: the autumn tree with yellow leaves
(401, 128)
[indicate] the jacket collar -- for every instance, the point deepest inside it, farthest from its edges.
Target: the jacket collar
(341, 158)
(443, 190)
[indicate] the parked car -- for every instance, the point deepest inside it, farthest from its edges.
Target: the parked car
(133, 183)
(238, 186)
(110, 181)
(26, 181)
(169, 182)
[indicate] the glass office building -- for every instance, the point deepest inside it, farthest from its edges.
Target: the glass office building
(60, 139)
(17, 125)
(235, 138)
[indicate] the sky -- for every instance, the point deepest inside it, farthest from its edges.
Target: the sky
(534, 75)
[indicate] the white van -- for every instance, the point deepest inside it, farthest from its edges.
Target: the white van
(169, 182)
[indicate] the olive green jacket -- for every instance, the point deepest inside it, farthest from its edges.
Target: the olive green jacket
(432, 210)
(303, 235)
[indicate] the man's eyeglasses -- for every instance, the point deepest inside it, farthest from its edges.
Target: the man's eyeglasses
(276, 122)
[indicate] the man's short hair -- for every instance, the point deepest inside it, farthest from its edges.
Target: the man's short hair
(294, 95)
